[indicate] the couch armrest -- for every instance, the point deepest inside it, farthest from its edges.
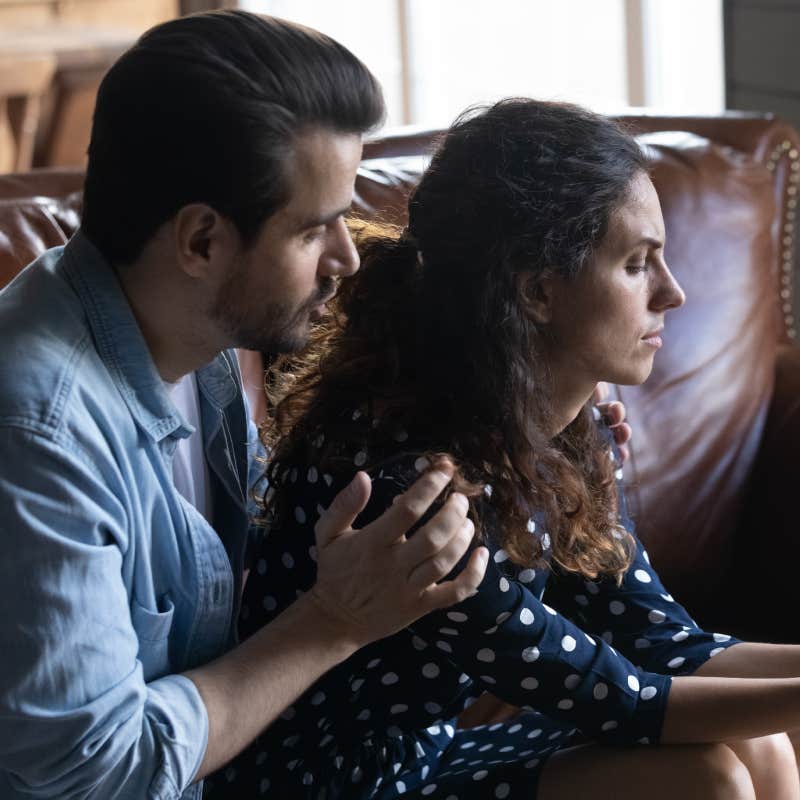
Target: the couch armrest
(768, 540)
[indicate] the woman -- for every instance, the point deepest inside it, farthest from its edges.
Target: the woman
(532, 267)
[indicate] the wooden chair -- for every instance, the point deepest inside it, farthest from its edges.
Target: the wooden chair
(24, 80)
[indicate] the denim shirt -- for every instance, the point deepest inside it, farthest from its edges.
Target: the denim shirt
(111, 584)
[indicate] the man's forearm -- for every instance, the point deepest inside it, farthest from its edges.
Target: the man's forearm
(245, 690)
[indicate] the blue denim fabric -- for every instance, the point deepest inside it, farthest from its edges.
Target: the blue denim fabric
(111, 584)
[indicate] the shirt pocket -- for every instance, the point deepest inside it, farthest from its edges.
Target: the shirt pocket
(152, 630)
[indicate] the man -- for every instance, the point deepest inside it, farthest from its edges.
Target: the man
(223, 155)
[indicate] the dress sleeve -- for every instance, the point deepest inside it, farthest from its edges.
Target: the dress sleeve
(77, 718)
(529, 655)
(638, 617)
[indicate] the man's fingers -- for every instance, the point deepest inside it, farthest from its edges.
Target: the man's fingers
(463, 586)
(346, 506)
(442, 561)
(409, 507)
(438, 532)
(622, 433)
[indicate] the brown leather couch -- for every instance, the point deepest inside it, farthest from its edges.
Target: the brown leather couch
(717, 426)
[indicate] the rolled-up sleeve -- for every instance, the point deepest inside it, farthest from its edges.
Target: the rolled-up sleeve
(77, 719)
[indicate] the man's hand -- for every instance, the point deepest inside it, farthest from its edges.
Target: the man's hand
(614, 414)
(373, 581)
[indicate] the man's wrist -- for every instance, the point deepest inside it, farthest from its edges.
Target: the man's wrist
(340, 637)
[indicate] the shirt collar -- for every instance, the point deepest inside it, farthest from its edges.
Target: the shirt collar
(121, 345)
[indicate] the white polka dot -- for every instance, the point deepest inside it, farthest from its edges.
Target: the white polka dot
(641, 644)
(607, 637)
(721, 637)
(568, 643)
(545, 541)
(674, 663)
(360, 458)
(656, 616)
(600, 691)
(312, 475)
(572, 682)
(421, 464)
(417, 643)
(715, 651)
(432, 708)
(444, 646)
(530, 654)
(502, 790)
(429, 789)
(618, 474)
(389, 678)
(479, 775)
(531, 526)
(668, 597)
(312, 552)
(566, 704)
(516, 728)
(466, 746)
(591, 587)
(527, 575)
(609, 726)
(485, 654)
(269, 603)
(401, 787)
(633, 682)
(504, 585)
(288, 560)
(431, 670)
(649, 692)
(616, 607)
(364, 715)
(534, 734)
(531, 764)
(529, 683)
(642, 576)
(318, 698)
(582, 600)
(263, 787)
(526, 616)
(327, 478)
(355, 775)
(293, 475)
(398, 708)
(449, 729)
(261, 566)
(457, 616)
(357, 684)
(680, 636)
(645, 556)
(500, 556)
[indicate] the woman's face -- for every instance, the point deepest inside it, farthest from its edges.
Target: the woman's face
(607, 324)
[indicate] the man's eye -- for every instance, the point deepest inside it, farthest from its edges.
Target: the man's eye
(633, 269)
(313, 235)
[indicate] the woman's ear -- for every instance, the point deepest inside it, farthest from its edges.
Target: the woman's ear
(536, 294)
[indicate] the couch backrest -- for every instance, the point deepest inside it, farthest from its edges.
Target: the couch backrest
(728, 188)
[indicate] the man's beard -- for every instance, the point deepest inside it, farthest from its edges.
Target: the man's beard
(267, 327)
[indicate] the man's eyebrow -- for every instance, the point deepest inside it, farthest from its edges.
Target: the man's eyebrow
(315, 222)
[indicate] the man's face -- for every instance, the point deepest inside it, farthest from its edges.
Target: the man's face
(278, 285)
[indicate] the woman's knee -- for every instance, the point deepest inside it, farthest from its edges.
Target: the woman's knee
(770, 754)
(719, 774)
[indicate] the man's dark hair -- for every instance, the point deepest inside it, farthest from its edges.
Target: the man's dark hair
(205, 109)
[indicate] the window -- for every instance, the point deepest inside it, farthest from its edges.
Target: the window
(435, 58)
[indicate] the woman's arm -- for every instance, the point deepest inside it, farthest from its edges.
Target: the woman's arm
(754, 660)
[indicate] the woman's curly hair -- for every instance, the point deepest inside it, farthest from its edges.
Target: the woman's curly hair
(433, 330)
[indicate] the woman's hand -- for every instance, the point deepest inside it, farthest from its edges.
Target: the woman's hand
(372, 582)
(614, 414)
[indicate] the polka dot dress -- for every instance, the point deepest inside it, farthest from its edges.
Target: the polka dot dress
(596, 658)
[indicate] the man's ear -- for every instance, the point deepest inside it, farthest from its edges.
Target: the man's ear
(201, 235)
(536, 295)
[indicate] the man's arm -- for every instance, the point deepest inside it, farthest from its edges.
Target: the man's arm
(371, 583)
